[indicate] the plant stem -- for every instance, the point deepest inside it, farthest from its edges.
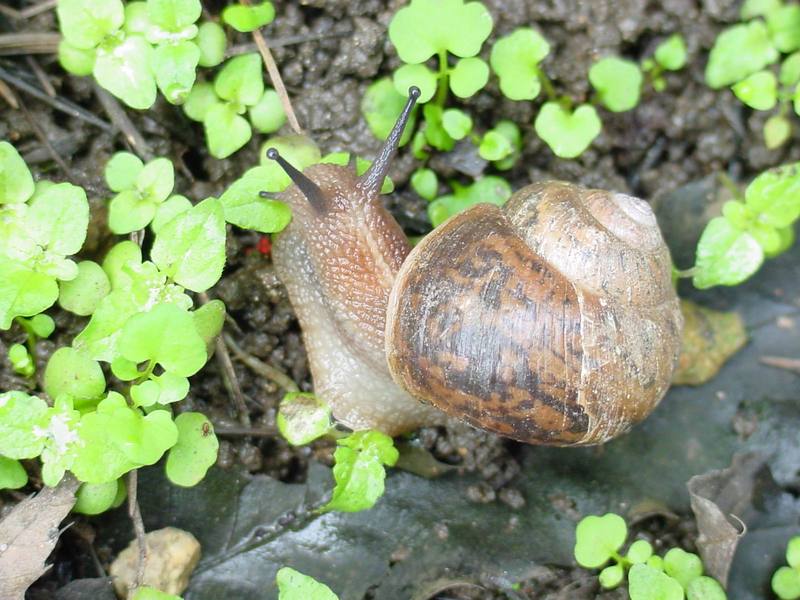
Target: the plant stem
(729, 184)
(444, 70)
(138, 527)
(686, 273)
(547, 85)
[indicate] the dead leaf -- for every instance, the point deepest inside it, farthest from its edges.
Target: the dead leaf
(28, 535)
(710, 338)
(722, 501)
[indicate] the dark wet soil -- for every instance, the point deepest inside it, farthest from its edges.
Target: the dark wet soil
(671, 138)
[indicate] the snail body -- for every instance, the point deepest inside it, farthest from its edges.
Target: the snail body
(551, 320)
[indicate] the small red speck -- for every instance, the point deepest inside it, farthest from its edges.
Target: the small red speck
(264, 245)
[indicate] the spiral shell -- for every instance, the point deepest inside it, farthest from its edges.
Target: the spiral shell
(552, 320)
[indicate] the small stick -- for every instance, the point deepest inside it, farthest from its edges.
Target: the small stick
(29, 43)
(779, 362)
(120, 118)
(275, 77)
(36, 9)
(138, 527)
(41, 76)
(289, 40)
(8, 95)
(64, 106)
(267, 371)
(46, 142)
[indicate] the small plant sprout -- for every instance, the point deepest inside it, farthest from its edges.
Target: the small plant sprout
(248, 17)
(40, 226)
(492, 189)
(753, 227)
(568, 132)
(598, 541)
(742, 57)
(515, 59)
(502, 145)
(425, 183)
(293, 585)
(670, 55)
(237, 89)
(12, 474)
(302, 418)
(360, 469)
(786, 580)
(618, 83)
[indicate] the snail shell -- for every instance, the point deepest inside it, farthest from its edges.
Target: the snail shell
(552, 320)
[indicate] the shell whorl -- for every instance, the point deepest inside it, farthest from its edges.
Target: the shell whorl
(552, 320)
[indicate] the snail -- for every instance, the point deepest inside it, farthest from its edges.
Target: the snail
(552, 320)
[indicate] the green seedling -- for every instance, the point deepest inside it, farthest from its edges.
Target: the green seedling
(491, 189)
(670, 55)
(786, 580)
(502, 145)
(237, 89)
(618, 82)
(12, 474)
(752, 228)
(742, 58)
(568, 132)
(151, 593)
(96, 498)
(360, 469)
(40, 226)
(598, 542)
(425, 183)
(381, 106)
(515, 59)
(294, 585)
(248, 17)
(302, 418)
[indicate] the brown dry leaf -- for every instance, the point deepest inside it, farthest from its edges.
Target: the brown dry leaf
(710, 338)
(28, 535)
(722, 501)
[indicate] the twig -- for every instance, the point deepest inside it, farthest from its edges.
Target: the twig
(138, 527)
(245, 431)
(38, 42)
(120, 118)
(41, 76)
(275, 77)
(36, 9)
(8, 95)
(47, 144)
(289, 40)
(779, 362)
(267, 371)
(64, 106)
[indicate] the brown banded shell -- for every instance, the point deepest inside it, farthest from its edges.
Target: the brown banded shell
(552, 320)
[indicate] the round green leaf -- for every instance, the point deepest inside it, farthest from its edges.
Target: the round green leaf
(302, 418)
(226, 131)
(495, 146)
(78, 61)
(597, 538)
(468, 76)
(618, 81)
(775, 195)
(191, 247)
(739, 51)
(425, 183)
(790, 70)
(122, 170)
(174, 68)
(211, 41)
(293, 585)
(381, 106)
(166, 335)
(639, 551)
(777, 131)
(151, 593)
(200, 100)
(647, 583)
(124, 70)
(95, 498)
(515, 58)
(758, 8)
(705, 588)
(267, 115)
(195, 452)
(783, 24)
(567, 134)
(136, 19)
(16, 182)
(682, 566)
(611, 577)
(244, 207)
(418, 75)
(240, 80)
(786, 583)
(84, 23)
(82, 294)
(20, 416)
(793, 552)
(168, 210)
(58, 218)
(671, 53)
(156, 180)
(456, 123)
(173, 15)
(127, 212)
(208, 320)
(21, 360)
(12, 474)
(726, 255)
(428, 27)
(23, 292)
(42, 325)
(758, 91)
(247, 18)
(71, 372)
